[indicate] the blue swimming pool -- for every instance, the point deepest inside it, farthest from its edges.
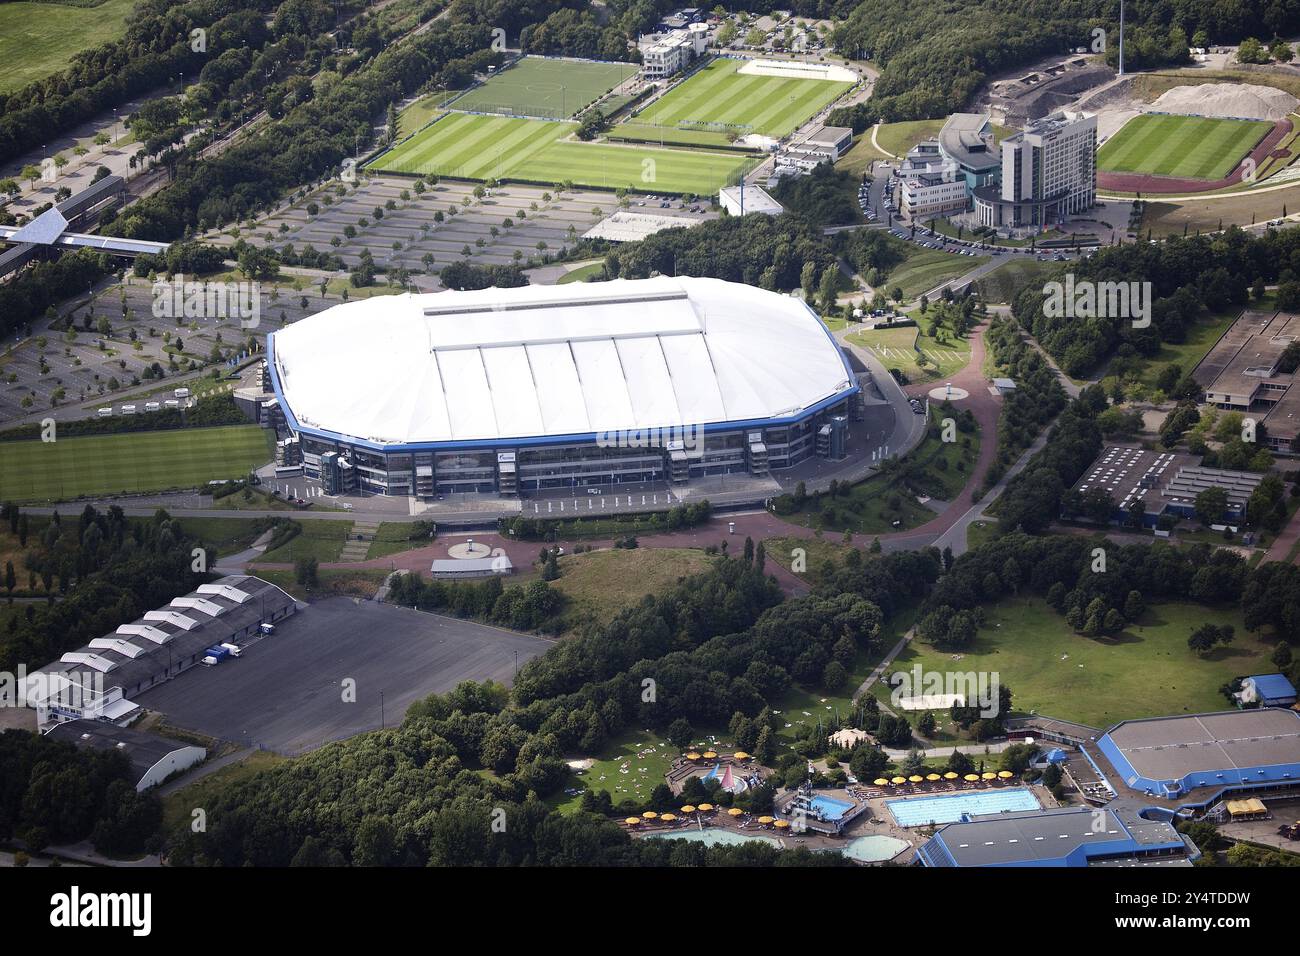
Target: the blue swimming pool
(828, 808)
(949, 809)
(712, 836)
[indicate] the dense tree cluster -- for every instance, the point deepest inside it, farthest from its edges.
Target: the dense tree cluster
(932, 66)
(37, 289)
(55, 793)
(826, 197)
(107, 569)
(765, 251)
(1183, 290)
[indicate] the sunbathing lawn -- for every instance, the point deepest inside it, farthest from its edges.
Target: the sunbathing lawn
(1146, 671)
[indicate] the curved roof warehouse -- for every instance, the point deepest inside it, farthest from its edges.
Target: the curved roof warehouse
(540, 366)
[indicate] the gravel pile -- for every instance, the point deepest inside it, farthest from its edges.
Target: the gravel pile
(1228, 100)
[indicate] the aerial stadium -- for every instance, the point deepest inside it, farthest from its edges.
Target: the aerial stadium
(507, 391)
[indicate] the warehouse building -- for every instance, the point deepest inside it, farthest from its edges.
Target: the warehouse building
(1266, 690)
(153, 759)
(98, 681)
(1193, 761)
(1158, 484)
(1243, 372)
(1064, 836)
(509, 391)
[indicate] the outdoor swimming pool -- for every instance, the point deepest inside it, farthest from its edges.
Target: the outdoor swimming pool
(828, 808)
(874, 849)
(711, 836)
(949, 809)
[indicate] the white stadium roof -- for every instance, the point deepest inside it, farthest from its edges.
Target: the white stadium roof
(549, 361)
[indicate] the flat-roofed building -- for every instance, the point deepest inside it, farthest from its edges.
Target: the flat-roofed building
(1061, 837)
(1242, 373)
(1163, 482)
(837, 140)
(1201, 757)
(152, 758)
(98, 680)
(744, 199)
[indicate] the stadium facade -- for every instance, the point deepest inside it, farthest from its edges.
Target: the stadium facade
(547, 387)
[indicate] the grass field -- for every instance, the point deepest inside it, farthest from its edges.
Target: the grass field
(924, 269)
(897, 348)
(322, 540)
(668, 135)
(749, 103)
(897, 138)
(141, 461)
(545, 87)
(37, 39)
(1145, 671)
(599, 584)
(1194, 147)
(1004, 282)
(466, 146)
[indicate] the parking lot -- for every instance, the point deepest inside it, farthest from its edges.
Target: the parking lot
(287, 692)
(423, 232)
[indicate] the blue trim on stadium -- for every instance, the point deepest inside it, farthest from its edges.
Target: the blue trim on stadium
(547, 440)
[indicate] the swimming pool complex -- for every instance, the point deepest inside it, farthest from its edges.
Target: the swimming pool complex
(828, 808)
(949, 809)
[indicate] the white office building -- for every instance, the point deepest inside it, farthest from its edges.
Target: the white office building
(1049, 172)
(663, 54)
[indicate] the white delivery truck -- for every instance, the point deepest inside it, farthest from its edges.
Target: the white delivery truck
(233, 648)
(106, 413)
(128, 409)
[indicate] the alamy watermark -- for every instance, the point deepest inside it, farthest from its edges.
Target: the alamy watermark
(687, 438)
(178, 299)
(1085, 299)
(919, 689)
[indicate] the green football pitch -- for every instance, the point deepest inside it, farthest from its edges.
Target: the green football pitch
(544, 87)
(466, 146)
(719, 97)
(1192, 147)
(136, 461)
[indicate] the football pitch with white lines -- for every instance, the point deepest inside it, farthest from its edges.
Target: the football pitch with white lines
(465, 146)
(719, 95)
(1191, 147)
(545, 87)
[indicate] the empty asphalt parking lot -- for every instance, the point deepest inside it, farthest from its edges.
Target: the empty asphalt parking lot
(286, 692)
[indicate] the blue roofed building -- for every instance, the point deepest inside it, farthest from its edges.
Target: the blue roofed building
(1266, 690)
(1065, 836)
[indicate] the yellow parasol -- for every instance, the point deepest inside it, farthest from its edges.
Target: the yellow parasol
(897, 780)
(989, 776)
(688, 809)
(932, 777)
(692, 756)
(915, 778)
(705, 808)
(880, 781)
(971, 777)
(767, 819)
(1005, 774)
(740, 755)
(632, 821)
(782, 824)
(650, 815)
(668, 817)
(709, 755)
(950, 775)
(735, 812)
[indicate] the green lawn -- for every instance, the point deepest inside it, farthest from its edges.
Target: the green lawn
(498, 147)
(1146, 671)
(545, 87)
(37, 39)
(1002, 284)
(924, 269)
(668, 135)
(1200, 338)
(935, 468)
(227, 535)
(898, 138)
(322, 540)
(599, 584)
(1195, 147)
(583, 273)
(420, 112)
(898, 348)
(134, 462)
(720, 96)
(178, 807)
(394, 537)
